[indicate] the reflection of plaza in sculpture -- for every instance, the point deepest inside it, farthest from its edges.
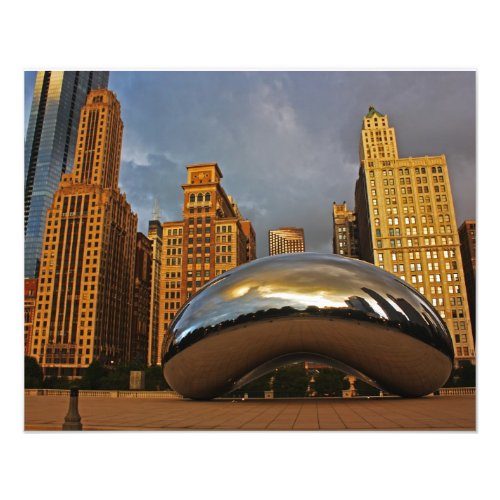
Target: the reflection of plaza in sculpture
(306, 307)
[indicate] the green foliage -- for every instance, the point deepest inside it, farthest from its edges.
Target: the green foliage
(256, 388)
(365, 389)
(93, 376)
(155, 381)
(116, 379)
(33, 374)
(463, 376)
(329, 382)
(291, 381)
(57, 383)
(468, 374)
(96, 377)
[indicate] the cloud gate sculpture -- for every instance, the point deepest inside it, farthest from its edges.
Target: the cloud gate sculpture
(306, 307)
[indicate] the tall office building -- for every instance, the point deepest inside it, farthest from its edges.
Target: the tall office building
(407, 226)
(142, 299)
(30, 286)
(249, 232)
(286, 240)
(86, 282)
(467, 234)
(155, 234)
(345, 231)
(208, 241)
(49, 148)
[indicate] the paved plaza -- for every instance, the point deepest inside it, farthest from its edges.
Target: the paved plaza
(429, 413)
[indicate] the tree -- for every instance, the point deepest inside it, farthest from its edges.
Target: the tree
(155, 381)
(468, 374)
(329, 382)
(255, 388)
(365, 389)
(56, 383)
(291, 381)
(33, 374)
(93, 376)
(117, 379)
(463, 376)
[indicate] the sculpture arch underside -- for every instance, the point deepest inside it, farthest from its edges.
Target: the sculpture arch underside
(307, 307)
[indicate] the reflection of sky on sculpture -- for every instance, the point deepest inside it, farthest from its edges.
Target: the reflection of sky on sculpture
(297, 281)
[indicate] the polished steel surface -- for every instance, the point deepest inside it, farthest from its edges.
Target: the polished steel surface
(306, 307)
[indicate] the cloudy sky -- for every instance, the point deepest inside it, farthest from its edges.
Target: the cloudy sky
(286, 142)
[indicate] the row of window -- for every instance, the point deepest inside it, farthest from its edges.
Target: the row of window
(437, 169)
(430, 254)
(413, 242)
(199, 220)
(199, 197)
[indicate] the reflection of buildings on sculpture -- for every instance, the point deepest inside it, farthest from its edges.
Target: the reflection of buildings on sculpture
(345, 231)
(390, 312)
(407, 226)
(212, 238)
(361, 304)
(286, 240)
(86, 282)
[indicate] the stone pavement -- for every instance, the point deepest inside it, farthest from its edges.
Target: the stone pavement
(429, 413)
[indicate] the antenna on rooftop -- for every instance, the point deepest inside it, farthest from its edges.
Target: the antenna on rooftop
(156, 214)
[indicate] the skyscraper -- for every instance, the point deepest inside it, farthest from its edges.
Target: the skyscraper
(345, 231)
(210, 240)
(86, 282)
(142, 299)
(286, 240)
(30, 285)
(467, 234)
(50, 147)
(407, 226)
(155, 234)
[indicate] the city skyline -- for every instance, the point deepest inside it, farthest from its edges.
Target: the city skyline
(282, 136)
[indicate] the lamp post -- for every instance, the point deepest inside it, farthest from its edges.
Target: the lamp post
(72, 421)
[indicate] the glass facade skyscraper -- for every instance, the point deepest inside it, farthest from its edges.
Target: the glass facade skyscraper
(49, 147)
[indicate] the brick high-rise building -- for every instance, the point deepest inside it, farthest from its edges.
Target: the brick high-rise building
(142, 299)
(345, 231)
(49, 148)
(30, 286)
(249, 232)
(467, 234)
(286, 240)
(86, 282)
(407, 226)
(210, 240)
(155, 234)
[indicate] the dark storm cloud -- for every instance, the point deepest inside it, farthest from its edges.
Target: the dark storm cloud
(286, 142)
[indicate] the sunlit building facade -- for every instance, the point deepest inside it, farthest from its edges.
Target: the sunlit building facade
(210, 240)
(155, 235)
(345, 231)
(86, 282)
(286, 240)
(50, 147)
(467, 233)
(30, 287)
(407, 225)
(142, 300)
